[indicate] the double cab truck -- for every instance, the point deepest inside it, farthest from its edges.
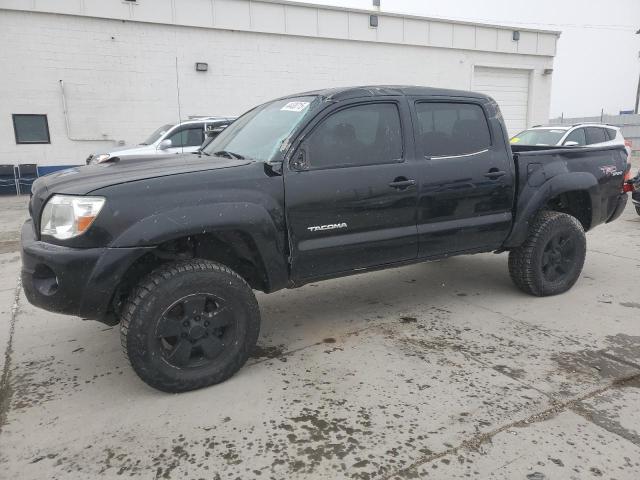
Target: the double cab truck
(304, 188)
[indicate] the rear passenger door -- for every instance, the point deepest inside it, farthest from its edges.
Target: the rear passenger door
(466, 180)
(350, 192)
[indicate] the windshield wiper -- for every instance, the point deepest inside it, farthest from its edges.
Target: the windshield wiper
(202, 152)
(225, 153)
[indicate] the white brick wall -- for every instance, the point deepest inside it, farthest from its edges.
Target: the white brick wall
(120, 76)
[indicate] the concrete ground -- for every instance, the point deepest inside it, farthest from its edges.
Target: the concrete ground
(438, 370)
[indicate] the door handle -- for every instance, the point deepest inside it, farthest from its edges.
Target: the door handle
(401, 183)
(494, 173)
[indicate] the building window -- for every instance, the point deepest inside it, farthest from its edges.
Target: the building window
(31, 128)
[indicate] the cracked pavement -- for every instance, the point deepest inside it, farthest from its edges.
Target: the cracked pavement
(438, 370)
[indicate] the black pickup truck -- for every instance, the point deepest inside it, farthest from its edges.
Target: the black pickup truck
(312, 186)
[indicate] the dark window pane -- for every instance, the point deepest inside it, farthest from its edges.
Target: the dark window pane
(577, 136)
(31, 128)
(451, 129)
(595, 135)
(188, 137)
(361, 135)
(611, 133)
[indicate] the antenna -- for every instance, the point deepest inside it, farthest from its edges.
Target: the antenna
(178, 92)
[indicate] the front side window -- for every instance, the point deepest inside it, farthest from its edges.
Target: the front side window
(577, 136)
(451, 129)
(596, 135)
(360, 135)
(31, 128)
(187, 137)
(539, 136)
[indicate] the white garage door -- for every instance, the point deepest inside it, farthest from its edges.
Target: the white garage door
(510, 88)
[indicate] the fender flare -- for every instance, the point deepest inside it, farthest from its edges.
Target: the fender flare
(250, 219)
(532, 199)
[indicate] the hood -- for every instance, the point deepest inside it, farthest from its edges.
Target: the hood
(85, 179)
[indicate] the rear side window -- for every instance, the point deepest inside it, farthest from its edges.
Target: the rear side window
(577, 136)
(611, 133)
(449, 129)
(596, 135)
(360, 135)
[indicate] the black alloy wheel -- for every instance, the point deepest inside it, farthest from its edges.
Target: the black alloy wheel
(195, 330)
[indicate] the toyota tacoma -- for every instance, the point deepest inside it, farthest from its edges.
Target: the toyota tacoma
(303, 188)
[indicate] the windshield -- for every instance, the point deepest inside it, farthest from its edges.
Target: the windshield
(157, 134)
(259, 133)
(539, 136)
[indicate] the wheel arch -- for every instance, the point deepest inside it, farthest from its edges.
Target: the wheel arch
(571, 193)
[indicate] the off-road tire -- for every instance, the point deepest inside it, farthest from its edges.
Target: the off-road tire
(156, 292)
(525, 262)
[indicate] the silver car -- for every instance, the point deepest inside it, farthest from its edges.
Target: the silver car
(183, 137)
(577, 135)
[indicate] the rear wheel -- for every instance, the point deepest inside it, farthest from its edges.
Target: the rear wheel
(638, 209)
(188, 325)
(551, 259)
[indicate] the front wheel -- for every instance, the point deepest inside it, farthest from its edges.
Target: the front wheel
(188, 325)
(551, 258)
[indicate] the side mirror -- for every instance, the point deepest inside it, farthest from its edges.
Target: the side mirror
(164, 144)
(571, 143)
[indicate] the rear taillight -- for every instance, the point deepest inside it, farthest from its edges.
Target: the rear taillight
(627, 187)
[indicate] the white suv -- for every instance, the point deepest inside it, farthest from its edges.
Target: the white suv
(578, 135)
(184, 137)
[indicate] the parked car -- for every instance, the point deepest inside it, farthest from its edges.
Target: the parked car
(304, 188)
(577, 135)
(184, 137)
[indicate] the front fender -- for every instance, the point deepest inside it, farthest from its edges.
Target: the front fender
(251, 219)
(532, 198)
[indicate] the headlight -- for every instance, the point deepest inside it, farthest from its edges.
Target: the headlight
(66, 216)
(103, 157)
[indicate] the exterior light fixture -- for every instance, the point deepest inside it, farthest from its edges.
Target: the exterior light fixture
(373, 21)
(516, 35)
(547, 71)
(202, 67)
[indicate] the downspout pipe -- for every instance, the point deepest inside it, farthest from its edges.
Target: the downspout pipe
(66, 121)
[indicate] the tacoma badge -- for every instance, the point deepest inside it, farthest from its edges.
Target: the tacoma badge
(331, 226)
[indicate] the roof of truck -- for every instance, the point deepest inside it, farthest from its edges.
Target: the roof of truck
(343, 93)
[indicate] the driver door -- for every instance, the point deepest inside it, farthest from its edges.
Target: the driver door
(350, 192)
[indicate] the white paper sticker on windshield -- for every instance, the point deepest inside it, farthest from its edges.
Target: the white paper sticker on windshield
(295, 106)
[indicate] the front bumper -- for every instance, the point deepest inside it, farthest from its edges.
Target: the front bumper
(73, 281)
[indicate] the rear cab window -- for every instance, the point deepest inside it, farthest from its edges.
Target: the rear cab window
(448, 129)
